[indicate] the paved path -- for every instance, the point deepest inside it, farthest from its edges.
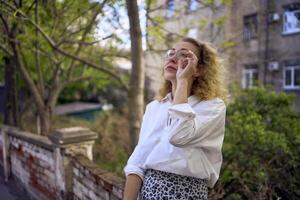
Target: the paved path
(11, 190)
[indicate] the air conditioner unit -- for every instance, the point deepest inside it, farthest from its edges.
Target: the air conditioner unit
(273, 66)
(274, 17)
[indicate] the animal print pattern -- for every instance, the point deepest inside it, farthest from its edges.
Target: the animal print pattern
(159, 185)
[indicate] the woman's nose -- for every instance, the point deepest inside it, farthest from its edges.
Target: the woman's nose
(173, 59)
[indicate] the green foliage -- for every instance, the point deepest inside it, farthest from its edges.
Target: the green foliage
(228, 44)
(213, 2)
(151, 3)
(184, 31)
(226, 2)
(208, 2)
(65, 22)
(220, 21)
(261, 146)
(157, 33)
(202, 23)
(159, 19)
(111, 149)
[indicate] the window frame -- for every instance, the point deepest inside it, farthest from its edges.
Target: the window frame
(292, 86)
(253, 35)
(249, 70)
(288, 9)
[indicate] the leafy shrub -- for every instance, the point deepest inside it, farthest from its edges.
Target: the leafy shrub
(261, 147)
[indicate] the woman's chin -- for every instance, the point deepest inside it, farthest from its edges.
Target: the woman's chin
(169, 78)
(169, 75)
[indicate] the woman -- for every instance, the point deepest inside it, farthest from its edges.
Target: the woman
(178, 155)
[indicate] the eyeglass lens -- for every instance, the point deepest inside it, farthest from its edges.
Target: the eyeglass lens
(182, 53)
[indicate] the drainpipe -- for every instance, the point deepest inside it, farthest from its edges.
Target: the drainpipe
(266, 42)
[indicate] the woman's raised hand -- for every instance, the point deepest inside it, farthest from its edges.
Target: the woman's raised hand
(187, 67)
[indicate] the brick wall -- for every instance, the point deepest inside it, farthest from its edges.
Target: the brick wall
(54, 169)
(34, 166)
(92, 183)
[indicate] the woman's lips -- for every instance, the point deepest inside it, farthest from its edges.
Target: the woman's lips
(171, 68)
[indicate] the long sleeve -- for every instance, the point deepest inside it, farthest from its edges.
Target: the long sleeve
(137, 158)
(202, 126)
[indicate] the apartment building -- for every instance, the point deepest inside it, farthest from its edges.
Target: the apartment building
(264, 38)
(266, 35)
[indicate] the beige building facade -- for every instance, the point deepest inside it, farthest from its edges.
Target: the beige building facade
(266, 35)
(259, 40)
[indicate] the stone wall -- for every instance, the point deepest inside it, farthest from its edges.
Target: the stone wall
(57, 167)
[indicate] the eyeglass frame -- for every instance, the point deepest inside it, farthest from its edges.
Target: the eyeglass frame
(200, 61)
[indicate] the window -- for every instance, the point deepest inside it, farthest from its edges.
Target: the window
(291, 77)
(250, 76)
(170, 8)
(192, 5)
(250, 27)
(291, 19)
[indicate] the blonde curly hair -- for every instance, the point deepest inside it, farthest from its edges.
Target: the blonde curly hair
(210, 84)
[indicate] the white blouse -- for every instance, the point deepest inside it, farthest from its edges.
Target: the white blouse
(184, 139)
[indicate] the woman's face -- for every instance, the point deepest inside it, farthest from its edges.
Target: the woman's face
(179, 51)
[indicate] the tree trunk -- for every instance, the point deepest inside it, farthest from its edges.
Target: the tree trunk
(136, 87)
(11, 113)
(44, 114)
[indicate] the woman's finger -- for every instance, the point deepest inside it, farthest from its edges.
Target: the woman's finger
(192, 54)
(180, 63)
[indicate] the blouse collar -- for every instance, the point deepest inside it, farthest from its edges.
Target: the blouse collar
(191, 99)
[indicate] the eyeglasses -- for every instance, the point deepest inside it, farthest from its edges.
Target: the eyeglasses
(179, 54)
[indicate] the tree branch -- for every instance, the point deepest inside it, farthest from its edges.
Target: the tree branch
(4, 23)
(86, 31)
(75, 18)
(53, 96)
(37, 54)
(84, 43)
(65, 53)
(5, 49)
(26, 76)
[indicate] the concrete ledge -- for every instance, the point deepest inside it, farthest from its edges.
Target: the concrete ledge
(72, 135)
(41, 141)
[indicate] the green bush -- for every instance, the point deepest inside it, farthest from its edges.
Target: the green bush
(261, 147)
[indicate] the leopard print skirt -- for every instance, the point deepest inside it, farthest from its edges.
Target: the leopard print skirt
(159, 185)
